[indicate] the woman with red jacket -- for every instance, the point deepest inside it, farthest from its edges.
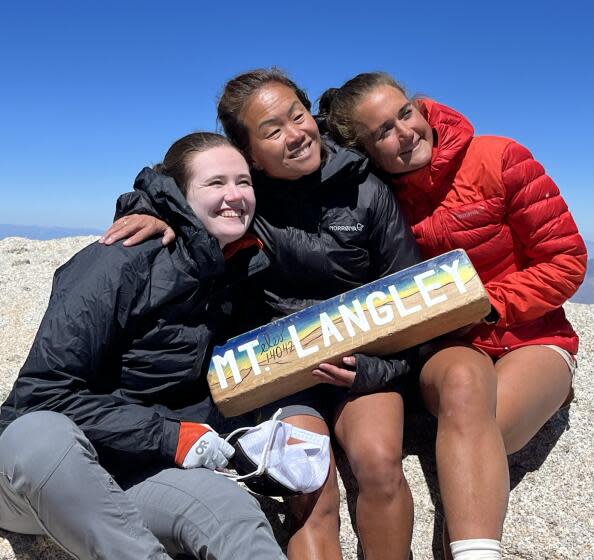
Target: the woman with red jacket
(495, 385)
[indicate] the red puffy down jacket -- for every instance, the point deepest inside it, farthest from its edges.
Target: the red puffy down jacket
(487, 195)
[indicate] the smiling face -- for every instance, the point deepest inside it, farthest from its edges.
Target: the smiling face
(392, 130)
(220, 192)
(284, 140)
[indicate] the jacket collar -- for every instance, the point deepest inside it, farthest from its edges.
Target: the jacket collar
(342, 162)
(245, 242)
(170, 204)
(452, 134)
(338, 164)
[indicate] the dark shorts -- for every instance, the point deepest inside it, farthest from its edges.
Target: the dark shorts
(320, 401)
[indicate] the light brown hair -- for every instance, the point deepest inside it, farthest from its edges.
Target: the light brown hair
(337, 105)
(175, 162)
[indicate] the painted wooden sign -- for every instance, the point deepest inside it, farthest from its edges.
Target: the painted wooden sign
(385, 316)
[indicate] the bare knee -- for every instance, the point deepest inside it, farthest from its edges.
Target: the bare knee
(467, 395)
(378, 470)
(320, 508)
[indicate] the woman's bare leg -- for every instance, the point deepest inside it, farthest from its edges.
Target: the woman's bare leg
(459, 386)
(532, 384)
(315, 516)
(369, 429)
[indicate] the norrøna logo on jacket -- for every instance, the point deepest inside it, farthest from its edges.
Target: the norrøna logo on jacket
(340, 227)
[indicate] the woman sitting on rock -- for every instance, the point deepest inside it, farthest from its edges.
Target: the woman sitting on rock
(113, 384)
(493, 387)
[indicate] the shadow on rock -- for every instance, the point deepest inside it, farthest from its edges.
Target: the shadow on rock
(277, 512)
(534, 454)
(419, 438)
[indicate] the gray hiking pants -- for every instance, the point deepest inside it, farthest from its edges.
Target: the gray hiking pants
(51, 482)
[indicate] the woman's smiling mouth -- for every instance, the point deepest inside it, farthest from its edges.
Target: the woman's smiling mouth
(412, 147)
(304, 151)
(231, 213)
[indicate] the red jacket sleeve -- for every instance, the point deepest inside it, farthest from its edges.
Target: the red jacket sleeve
(552, 253)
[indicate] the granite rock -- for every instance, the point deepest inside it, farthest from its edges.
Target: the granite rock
(551, 510)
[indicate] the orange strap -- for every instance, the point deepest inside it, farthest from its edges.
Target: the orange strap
(189, 433)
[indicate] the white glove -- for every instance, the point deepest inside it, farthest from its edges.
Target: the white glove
(209, 451)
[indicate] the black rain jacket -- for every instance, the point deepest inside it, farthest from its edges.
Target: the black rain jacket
(127, 335)
(327, 233)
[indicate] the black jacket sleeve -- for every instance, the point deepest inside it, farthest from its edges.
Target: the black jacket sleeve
(392, 243)
(74, 364)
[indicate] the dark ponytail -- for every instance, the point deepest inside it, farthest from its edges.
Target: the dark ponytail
(325, 102)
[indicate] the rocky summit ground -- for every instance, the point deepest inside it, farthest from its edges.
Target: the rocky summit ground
(551, 511)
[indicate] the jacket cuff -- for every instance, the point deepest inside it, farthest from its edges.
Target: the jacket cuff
(169, 439)
(498, 313)
(492, 317)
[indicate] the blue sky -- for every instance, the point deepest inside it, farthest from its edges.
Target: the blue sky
(93, 90)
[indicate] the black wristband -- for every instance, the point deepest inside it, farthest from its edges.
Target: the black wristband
(492, 317)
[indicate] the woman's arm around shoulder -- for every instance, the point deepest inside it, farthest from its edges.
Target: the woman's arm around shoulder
(136, 221)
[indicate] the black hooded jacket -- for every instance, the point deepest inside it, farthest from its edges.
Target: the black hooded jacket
(126, 334)
(329, 232)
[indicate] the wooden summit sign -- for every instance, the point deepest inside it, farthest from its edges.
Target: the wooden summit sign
(385, 316)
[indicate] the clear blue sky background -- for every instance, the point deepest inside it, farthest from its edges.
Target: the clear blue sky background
(92, 91)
